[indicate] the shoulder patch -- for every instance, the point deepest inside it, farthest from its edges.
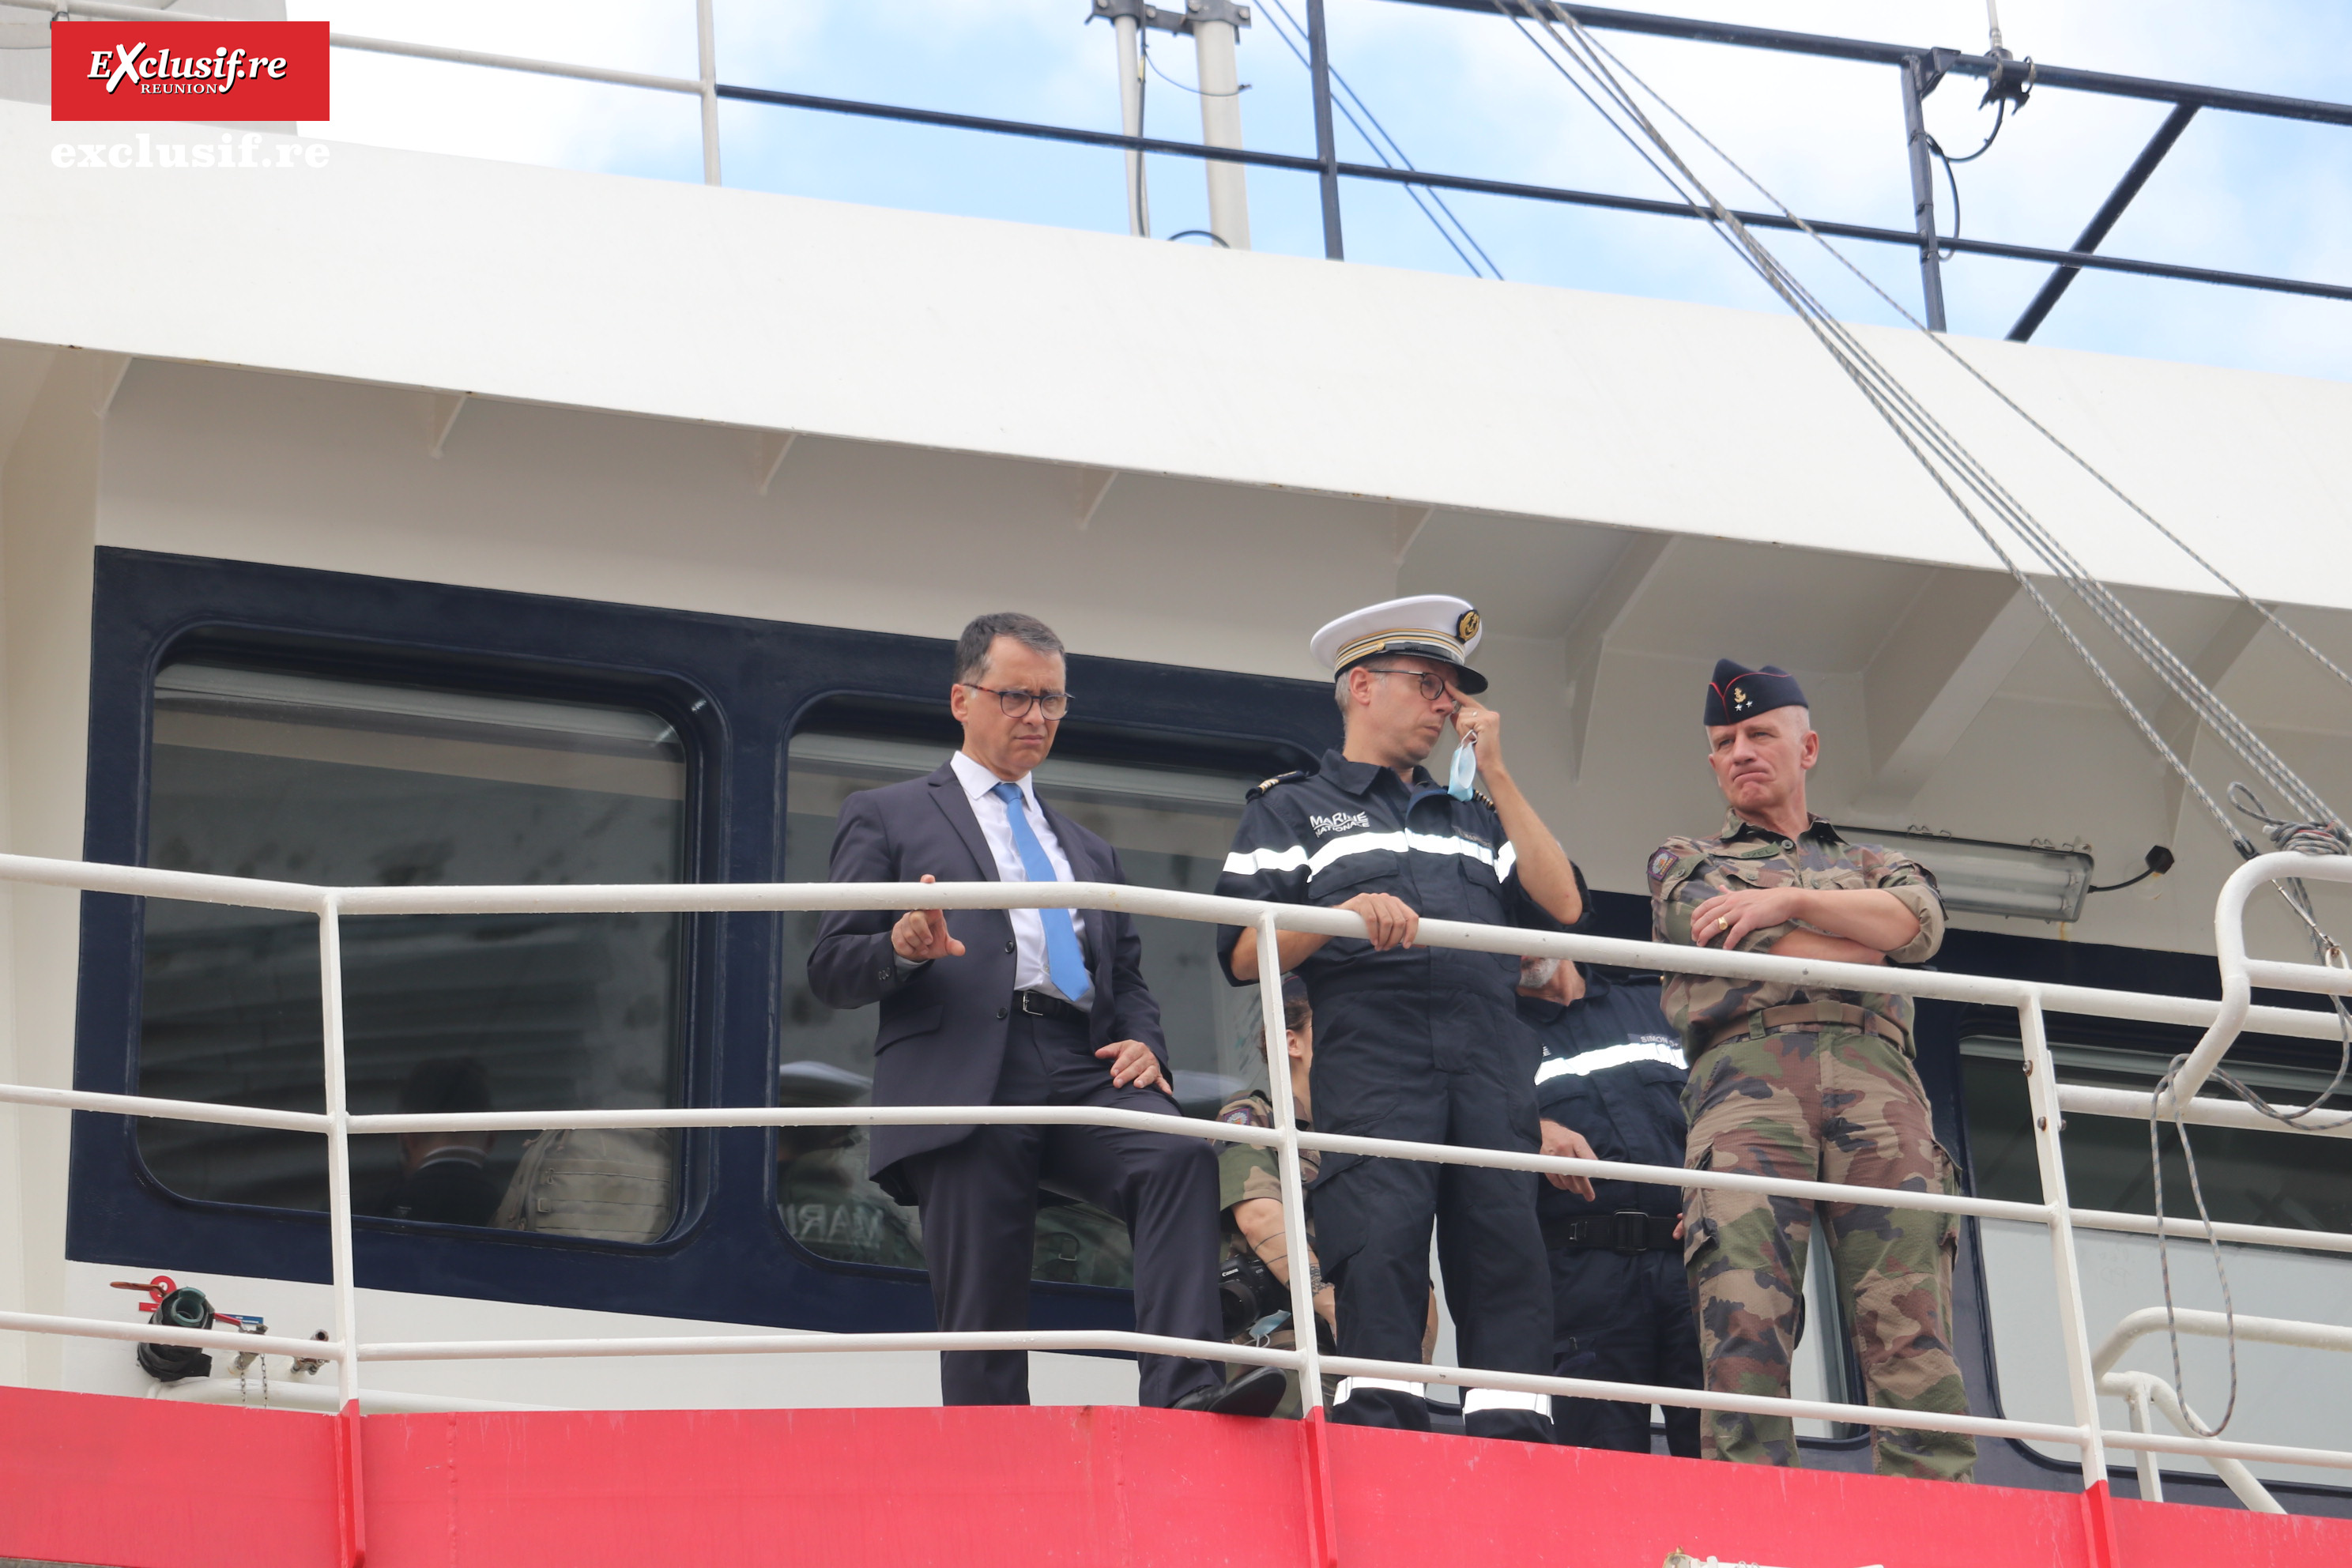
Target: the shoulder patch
(1292, 777)
(1662, 862)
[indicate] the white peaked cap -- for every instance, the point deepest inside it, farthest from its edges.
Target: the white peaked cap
(1429, 626)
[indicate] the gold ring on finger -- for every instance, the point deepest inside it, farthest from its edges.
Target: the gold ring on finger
(1723, 922)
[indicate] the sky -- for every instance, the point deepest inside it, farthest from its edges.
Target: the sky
(1465, 93)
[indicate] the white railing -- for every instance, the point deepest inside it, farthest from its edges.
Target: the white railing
(2089, 1374)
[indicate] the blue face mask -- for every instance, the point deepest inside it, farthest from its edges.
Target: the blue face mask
(1465, 770)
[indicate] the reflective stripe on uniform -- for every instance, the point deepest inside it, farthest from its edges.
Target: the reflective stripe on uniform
(1348, 1385)
(1250, 863)
(1478, 1399)
(1589, 1062)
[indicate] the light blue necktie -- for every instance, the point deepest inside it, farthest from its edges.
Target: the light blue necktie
(1066, 962)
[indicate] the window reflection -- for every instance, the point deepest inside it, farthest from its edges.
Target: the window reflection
(301, 778)
(2250, 1177)
(1171, 829)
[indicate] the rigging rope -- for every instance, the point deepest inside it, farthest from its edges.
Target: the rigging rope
(1922, 434)
(1896, 402)
(1423, 196)
(1945, 346)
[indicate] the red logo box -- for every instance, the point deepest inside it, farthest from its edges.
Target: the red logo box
(188, 70)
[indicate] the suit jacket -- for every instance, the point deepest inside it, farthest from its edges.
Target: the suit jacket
(940, 1038)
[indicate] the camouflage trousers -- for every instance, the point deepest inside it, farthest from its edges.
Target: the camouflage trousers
(1828, 1105)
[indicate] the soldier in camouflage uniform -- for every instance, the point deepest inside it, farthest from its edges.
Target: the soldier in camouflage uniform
(1811, 1084)
(1249, 1189)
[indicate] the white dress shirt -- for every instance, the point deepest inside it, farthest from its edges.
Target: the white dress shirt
(1029, 971)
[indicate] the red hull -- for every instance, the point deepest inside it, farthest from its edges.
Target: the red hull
(146, 1484)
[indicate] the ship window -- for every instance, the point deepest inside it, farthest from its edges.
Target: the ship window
(2250, 1177)
(1171, 829)
(299, 778)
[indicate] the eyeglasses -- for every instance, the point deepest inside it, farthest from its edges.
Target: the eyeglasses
(1433, 686)
(1053, 704)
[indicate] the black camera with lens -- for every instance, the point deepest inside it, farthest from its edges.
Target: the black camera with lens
(1249, 1293)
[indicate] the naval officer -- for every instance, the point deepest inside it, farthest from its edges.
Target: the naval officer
(1415, 1043)
(1610, 1088)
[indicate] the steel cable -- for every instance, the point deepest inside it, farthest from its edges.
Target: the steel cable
(1921, 433)
(1944, 345)
(2176, 675)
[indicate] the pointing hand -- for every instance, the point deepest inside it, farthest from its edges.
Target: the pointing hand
(921, 935)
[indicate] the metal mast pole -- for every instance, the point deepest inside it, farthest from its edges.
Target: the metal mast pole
(1327, 149)
(1213, 25)
(1923, 190)
(1130, 121)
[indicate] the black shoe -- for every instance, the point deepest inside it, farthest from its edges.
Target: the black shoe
(1255, 1393)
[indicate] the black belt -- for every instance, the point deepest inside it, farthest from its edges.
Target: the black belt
(1044, 1004)
(1627, 1230)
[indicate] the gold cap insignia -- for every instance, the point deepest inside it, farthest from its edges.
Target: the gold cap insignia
(1739, 697)
(1466, 627)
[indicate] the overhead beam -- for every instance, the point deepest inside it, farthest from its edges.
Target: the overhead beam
(1611, 608)
(1406, 530)
(1951, 60)
(1090, 488)
(1604, 200)
(1944, 660)
(112, 368)
(443, 418)
(2104, 218)
(2177, 721)
(774, 447)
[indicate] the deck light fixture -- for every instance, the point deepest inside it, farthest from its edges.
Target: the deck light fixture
(2029, 881)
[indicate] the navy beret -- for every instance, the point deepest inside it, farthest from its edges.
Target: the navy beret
(1737, 692)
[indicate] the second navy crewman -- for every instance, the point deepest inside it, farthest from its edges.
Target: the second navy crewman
(1610, 1086)
(1415, 1043)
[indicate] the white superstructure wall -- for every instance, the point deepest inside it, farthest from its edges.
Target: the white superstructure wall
(50, 453)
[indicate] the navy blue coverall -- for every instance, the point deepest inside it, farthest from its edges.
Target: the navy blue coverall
(1612, 1069)
(1421, 1044)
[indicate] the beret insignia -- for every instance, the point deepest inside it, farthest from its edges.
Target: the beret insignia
(1738, 694)
(1466, 627)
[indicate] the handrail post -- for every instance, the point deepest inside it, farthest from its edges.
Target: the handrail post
(705, 54)
(339, 1227)
(2151, 1480)
(1294, 1188)
(1327, 147)
(2042, 1091)
(1923, 193)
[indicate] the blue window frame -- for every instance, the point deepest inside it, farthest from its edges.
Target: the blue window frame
(733, 690)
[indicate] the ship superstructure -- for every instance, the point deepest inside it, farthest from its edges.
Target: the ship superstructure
(437, 523)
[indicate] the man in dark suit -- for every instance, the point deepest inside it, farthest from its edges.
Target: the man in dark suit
(1020, 1008)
